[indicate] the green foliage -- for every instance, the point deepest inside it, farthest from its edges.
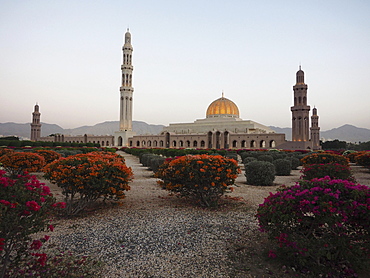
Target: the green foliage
(266, 157)
(145, 158)
(319, 226)
(260, 173)
(202, 177)
(334, 145)
(295, 162)
(9, 138)
(156, 162)
(283, 167)
(248, 159)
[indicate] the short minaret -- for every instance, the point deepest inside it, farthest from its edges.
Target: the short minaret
(126, 96)
(36, 125)
(125, 122)
(300, 110)
(315, 130)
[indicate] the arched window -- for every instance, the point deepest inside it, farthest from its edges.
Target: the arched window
(188, 144)
(244, 144)
(143, 143)
(272, 144)
(161, 143)
(149, 143)
(155, 143)
(181, 143)
(263, 144)
(253, 144)
(120, 141)
(137, 143)
(174, 143)
(235, 144)
(202, 144)
(102, 143)
(195, 144)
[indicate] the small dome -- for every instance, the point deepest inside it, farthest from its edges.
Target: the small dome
(222, 107)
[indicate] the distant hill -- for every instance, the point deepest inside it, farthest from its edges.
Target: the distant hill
(105, 128)
(348, 133)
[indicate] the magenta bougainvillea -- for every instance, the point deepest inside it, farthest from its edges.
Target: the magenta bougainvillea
(25, 208)
(321, 226)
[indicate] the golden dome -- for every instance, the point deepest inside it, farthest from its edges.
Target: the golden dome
(222, 107)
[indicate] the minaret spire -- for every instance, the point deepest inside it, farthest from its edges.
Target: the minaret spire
(300, 110)
(126, 85)
(36, 125)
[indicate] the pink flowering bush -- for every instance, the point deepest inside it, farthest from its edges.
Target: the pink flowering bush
(320, 226)
(25, 208)
(333, 170)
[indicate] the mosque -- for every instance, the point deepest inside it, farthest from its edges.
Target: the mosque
(221, 129)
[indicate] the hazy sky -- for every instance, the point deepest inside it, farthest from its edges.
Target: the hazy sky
(66, 56)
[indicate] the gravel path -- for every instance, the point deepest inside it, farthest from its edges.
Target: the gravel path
(157, 235)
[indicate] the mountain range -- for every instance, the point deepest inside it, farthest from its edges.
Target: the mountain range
(348, 133)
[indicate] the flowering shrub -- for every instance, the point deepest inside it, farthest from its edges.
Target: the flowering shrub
(25, 209)
(49, 155)
(84, 178)
(62, 264)
(333, 170)
(321, 226)
(203, 177)
(16, 163)
(322, 158)
(5, 151)
(363, 159)
(260, 173)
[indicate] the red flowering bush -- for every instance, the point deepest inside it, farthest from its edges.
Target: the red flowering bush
(49, 155)
(84, 178)
(203, 177)
(333, 170)
(61, 264)
(16, 163)
(25, 208)
(320, 226)
(323, 158)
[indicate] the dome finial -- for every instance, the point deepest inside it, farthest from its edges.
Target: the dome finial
(222, 93)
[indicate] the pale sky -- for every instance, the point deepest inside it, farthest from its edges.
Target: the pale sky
(66, 56)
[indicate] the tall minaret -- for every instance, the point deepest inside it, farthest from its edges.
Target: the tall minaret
(125, 121)
(315, 130)
(36, 125)
(300, 110)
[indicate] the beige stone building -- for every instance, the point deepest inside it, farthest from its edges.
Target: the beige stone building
(221, 129)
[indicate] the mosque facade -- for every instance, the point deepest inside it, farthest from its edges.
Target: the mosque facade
(221, 129)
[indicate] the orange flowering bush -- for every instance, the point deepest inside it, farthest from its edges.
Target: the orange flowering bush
(363, 159)
(16, 163)
(85, 178)
(203, 177)
(5, 151)
(323, 158)
(49, 155)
